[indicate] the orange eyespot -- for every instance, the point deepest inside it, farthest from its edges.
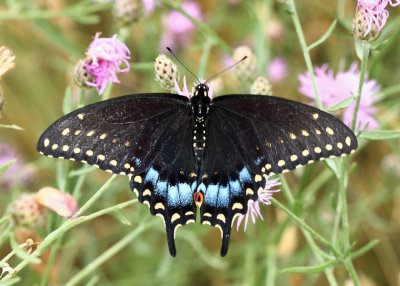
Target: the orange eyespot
(198, 197)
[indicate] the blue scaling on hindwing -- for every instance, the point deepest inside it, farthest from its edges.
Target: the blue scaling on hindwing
(211, 195)
(161, 188)
(235, 188)
(223, 196)
(151, 176)
(185, 193)
(173, 196)
(244, 175)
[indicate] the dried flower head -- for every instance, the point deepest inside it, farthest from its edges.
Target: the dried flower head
(26, 211)
(261, 86)
(248, 69)
(126, 12)
(346, 84)
(82, 76)
(166, 72)
(7, 60)
(104, 57)
(29, 210)
(253, 207)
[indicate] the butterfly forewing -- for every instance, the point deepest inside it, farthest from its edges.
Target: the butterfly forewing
(121, 135)
(275, 135)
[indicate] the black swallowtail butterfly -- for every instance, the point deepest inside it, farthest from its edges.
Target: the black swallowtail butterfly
(182, 153)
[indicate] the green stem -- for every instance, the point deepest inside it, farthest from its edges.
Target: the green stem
(81, 99)
(271, 265)
(50, 262)
(286, 191)
(305, 226)
(364, 63)
(204, 58)
(117, 247)
(67, 225)
(304, 48)
(95, 197)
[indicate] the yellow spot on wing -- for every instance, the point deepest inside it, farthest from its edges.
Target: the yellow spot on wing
(348, 141)
(293, 158)
(221, 217)
(54, 147)
(292, 136)
(80, 116)
(77, 132)
(101, 157)
(46, 142)
(330, 131)
(138, 179)
(317, 150)
(281, 163)
(249, 191)
(159, 206)
(328, 147)
(113, 162)
(65, 131)
(268, 166)
(147, 192)
(257, 178)
(90, 133)
(65, 148)
(237, 206)
(127, 166)
(89, 152)
(315, 115)
(339, 145)
(305, 153)
(304, 133)
(103, 136)
(77, 150)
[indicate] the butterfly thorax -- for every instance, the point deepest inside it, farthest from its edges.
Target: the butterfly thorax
(200, 103)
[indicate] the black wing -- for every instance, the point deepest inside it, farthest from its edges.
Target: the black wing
(252, 136)
(147, 137)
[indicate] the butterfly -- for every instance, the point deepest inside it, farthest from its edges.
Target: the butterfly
(186, 153)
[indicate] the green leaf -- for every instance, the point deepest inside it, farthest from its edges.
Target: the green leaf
(67, 106)
(10, 282)
(6, 166)
(4, 219)
(343, 104)
(122, 218)
(380, 134)
(21, 253)
(333, 165)
(359, 48)
(324, 36)
(310, 269)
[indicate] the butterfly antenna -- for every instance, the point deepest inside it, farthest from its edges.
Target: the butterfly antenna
(228, 68)
(172, 53)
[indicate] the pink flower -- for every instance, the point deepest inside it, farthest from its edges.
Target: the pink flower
(277, 70)
(375, 12)
(345, 84)
(62, 203)
(149, 6)
(185, 92)
(104, 57)
(178, 29)
(253, 208)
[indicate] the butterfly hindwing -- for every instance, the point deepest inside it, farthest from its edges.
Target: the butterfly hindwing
(167, 186)
(227, 184)
(275, 135)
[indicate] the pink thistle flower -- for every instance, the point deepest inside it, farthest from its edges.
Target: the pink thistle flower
(375, 12)
(346, 84)
(277, 70)
(253, 207)
(104, 57)
(177, 28)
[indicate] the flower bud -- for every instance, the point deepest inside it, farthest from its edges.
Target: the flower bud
(126, 12)
(261, 86)
(363, 29)
(166, 72)
(26, 211)
(248, 69)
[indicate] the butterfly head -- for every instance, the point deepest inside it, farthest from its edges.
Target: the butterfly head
(201, 90)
